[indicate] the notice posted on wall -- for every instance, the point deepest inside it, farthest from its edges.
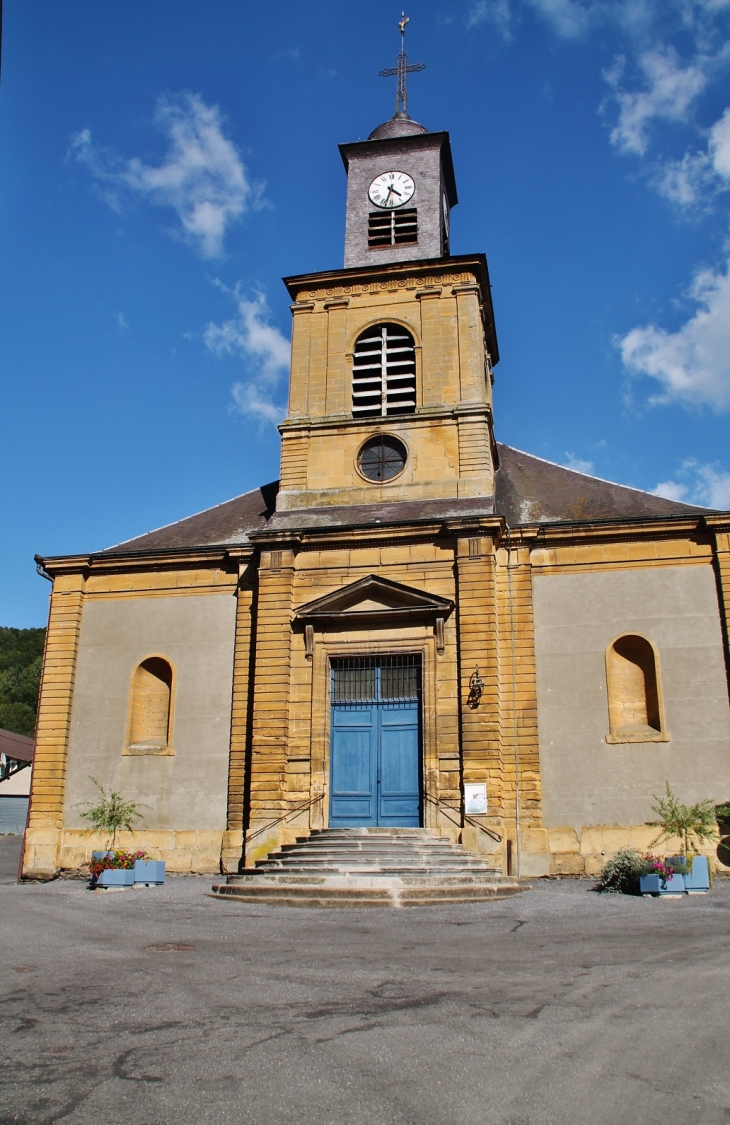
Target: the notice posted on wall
(475, 798)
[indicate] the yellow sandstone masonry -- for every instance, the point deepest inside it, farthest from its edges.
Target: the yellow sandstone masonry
(518, 707)
(232, 846)
(43, 837)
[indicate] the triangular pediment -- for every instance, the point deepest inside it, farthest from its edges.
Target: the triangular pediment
(374, 596)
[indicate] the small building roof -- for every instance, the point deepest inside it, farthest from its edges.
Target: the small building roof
(17, 746)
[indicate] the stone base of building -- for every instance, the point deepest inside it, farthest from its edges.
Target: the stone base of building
(185, 851)
(543, 851)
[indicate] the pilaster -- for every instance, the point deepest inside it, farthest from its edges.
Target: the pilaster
(232, 846)
(478, 651)
(43, 836)
(720, 525)
(338, 378)
(300, 357)
(521, 794)
(272, 679)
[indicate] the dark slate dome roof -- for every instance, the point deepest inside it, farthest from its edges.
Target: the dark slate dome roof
(397, 126)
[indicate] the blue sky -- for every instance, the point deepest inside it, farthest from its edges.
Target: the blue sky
(164, 165)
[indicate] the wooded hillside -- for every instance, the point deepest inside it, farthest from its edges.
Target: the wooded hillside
(21, 655)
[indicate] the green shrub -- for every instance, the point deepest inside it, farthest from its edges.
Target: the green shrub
(621, 874)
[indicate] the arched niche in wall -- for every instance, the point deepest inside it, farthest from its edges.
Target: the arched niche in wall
(149, 724)
(635, 712)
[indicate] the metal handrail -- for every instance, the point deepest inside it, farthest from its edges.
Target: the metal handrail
(441, 804)
(279, 819)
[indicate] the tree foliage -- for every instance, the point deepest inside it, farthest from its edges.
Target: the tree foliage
(690, 824)
(111, 813)
(21, 658)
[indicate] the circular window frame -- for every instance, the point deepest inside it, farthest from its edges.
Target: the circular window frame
(381, 437)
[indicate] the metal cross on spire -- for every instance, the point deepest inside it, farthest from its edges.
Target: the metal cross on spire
(402, 69)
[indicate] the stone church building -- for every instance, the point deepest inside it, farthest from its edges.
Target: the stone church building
(415, 626)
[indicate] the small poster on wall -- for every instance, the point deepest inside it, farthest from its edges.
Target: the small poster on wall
(475, 798)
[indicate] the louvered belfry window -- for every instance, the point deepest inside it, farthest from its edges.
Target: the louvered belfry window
(384, 372)
(392, 228)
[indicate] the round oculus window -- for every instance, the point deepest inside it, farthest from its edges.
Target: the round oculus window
(382, 458)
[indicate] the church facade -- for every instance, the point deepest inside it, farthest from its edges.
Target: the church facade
(415, 626)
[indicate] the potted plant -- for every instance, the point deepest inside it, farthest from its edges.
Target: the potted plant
(691, 825)
(148, 872)
(114, 869)
(663, 876)
(110, 814)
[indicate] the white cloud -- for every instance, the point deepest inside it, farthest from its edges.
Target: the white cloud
(670, 490)
(692, 365)
(707, 485)
(577, 464)
(496, 12)
(670, 90)
(567, 17)
(719, 145)
(201, 177)
(698, 176)
(264, 350)
(686, 182)
(121, 320)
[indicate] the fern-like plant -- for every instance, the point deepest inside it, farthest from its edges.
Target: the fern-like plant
(111, 813)
(690, 824)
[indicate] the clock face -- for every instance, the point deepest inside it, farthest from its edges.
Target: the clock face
(391, 189)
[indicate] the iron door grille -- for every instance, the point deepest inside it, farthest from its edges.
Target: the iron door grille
(376, 679)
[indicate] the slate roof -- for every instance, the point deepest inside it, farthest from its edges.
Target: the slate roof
(398, 126)
(529, 490)
(224, 525)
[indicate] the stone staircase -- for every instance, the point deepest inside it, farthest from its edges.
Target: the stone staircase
(359, 867)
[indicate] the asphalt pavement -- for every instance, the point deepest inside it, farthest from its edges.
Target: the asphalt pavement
(165, 1007)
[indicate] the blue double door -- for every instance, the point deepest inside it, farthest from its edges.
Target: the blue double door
(375, 745)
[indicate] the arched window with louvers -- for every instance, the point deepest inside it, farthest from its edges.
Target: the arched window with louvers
(384, 372)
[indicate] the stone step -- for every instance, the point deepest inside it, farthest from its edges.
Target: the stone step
(362, 893)
(403, 869)
(325, 854)
(369, 867)
(366, 878)
(293, 864)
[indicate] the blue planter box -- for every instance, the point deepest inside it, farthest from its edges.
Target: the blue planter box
(653, 885)
(697, 882)
(98, 856)
(116, 878)
(149, 871)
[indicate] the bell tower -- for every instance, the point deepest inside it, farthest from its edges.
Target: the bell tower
(390, 396)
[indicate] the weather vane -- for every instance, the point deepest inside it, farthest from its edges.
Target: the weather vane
(402, 69)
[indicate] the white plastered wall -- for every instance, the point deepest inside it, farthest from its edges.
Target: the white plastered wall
(586, 781)
(196, 633)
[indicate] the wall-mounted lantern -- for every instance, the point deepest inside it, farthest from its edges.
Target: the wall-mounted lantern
(476, 687)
